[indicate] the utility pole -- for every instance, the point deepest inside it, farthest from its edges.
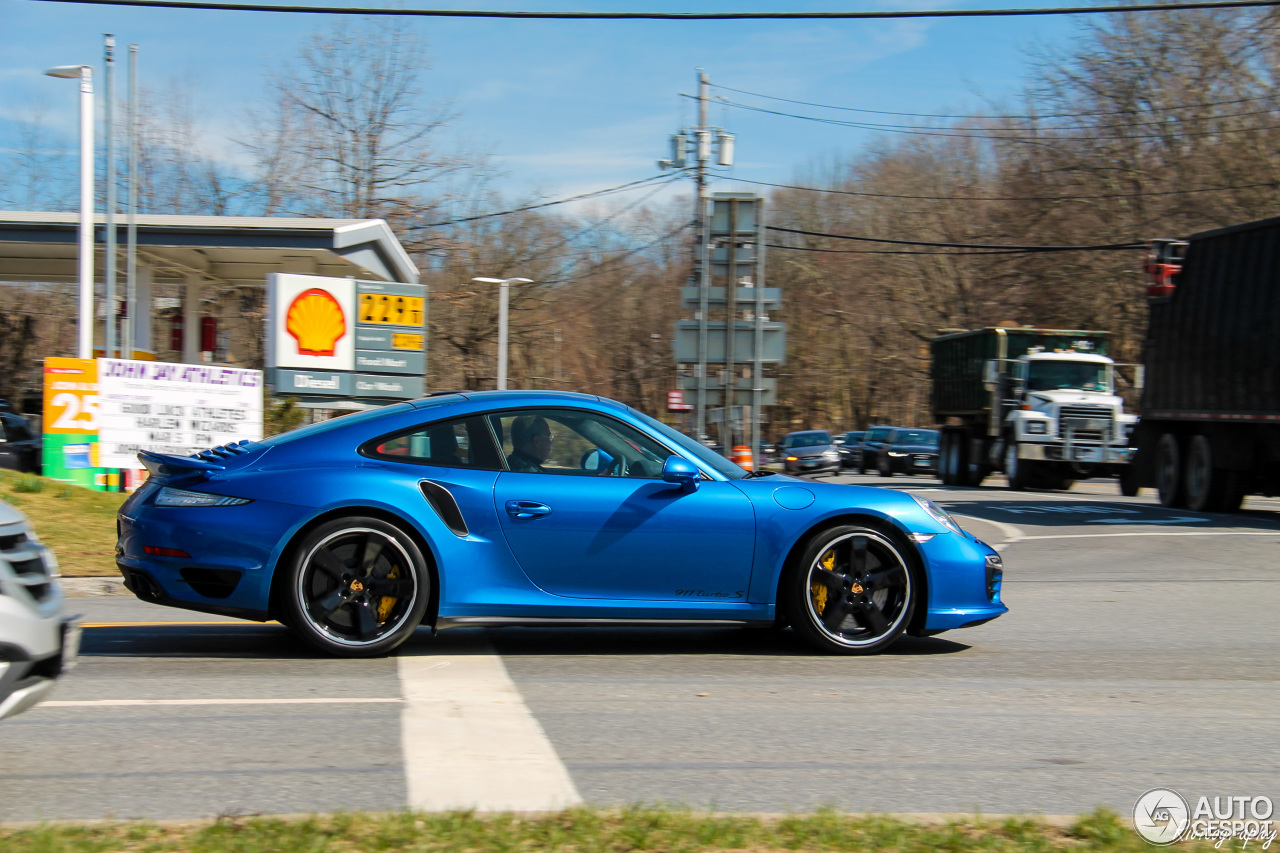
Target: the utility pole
(109, 340)
(702, 261)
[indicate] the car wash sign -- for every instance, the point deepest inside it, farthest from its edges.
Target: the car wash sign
(343, 338)
(173, 408)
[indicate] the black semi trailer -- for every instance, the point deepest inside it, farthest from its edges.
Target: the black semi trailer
(1210, 427)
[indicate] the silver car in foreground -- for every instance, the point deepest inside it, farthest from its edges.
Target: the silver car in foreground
(37, 645)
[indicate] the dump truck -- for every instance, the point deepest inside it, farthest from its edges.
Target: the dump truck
(1210, 428)
(1039, 405)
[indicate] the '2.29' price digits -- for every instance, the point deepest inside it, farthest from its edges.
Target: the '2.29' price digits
(391, 310)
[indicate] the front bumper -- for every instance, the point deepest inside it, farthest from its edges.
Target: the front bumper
(29, 672)
(1087, 453)
(964, 588)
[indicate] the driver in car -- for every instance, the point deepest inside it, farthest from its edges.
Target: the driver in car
(531, 440)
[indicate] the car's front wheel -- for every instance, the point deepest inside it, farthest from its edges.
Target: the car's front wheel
(851, 591)
(357, 587)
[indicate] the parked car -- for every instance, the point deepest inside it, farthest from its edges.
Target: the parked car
(850, 448)
(19, 445)
(37, 645)
(810, 452)
(872, 443)
(909, 451)
(535, 507)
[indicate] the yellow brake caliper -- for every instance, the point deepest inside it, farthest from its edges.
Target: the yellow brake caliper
(817, 589)
(388, 601)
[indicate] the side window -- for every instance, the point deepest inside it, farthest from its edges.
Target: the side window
(462, 443)
(567, 441)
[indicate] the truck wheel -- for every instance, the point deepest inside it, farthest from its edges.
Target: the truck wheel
(1169, 472)
(946, 459)
(1129, 485)
(1018, 472)
(1209, 488)
(886, 466)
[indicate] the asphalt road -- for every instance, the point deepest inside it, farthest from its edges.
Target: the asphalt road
(1140, 651)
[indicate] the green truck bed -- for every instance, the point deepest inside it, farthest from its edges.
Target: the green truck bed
(959, 360)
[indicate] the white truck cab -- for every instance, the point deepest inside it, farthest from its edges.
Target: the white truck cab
(1069, 413)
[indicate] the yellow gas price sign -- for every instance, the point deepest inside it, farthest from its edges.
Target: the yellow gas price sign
(71, 396)
(391, 310)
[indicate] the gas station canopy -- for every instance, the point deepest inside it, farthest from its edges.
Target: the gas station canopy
(237, 250)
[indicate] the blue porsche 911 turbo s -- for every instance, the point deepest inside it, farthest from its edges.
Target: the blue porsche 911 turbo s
(537, 507)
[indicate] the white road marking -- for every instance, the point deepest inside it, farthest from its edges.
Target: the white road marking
(1011, 534)
(128, 703)
(470, 742)
(1152, 533)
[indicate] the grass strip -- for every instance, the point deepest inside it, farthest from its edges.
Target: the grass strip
(79, 524)
(583, 831)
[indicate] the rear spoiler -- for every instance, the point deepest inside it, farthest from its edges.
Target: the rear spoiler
(166, 468)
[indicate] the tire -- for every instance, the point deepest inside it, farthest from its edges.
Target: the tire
(946, 459)
(339, 582)
(1018, 472)
(1169, 472)
(851, 591)
(1128, 478)
(862, 463)
(885, 466)
(1207, 487)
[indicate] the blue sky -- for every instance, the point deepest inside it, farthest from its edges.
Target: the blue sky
(564, 107)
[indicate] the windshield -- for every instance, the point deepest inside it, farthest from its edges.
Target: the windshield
(1055, 375)
(703, 454)
(808, 439)
(916, 436)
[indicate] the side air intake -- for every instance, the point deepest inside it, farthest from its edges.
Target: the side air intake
(441, 500)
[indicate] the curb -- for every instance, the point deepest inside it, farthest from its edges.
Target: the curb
(89, 587)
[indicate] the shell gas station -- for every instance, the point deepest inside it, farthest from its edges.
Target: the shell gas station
(337, 301)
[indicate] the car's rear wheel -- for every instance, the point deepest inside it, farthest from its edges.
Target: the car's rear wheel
(850, 592)
(357, 587)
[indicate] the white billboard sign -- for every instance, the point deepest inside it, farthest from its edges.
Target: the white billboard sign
(173, 408)
(311, 322)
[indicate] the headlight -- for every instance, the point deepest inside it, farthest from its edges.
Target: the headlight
(831, 454)
(896, 454)
(170, 496)
(1037, 427)
(939, 514)
(792, 459)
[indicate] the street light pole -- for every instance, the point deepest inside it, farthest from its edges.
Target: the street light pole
(84, 348)
(504, 287)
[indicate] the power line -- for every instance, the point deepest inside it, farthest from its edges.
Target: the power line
(1269, 184)
(941, 115)
(890, 251)
(593, 194)
(1106, 247)
(920, 130)
(682, 16)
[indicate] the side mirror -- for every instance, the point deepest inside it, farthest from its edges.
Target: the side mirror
(682, 472)
(597, 460)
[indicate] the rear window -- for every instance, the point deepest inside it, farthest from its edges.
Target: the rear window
(808, 439)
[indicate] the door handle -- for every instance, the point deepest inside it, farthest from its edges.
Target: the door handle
(527, 509)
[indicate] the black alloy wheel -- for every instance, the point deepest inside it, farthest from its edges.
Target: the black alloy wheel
(851, 592)
(358, 587)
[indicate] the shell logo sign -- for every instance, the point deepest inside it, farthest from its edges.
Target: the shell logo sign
(316, 322)
(311, 322)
